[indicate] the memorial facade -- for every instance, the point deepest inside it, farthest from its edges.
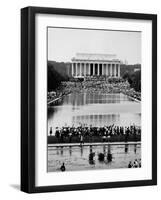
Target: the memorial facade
(95, 65)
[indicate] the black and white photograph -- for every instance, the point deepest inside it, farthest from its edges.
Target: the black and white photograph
(93, 99)
(89, 99)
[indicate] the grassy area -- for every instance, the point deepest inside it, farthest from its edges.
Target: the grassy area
(88, 139)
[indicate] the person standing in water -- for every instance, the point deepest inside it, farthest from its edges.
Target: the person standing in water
(51, 131)
(62, 168)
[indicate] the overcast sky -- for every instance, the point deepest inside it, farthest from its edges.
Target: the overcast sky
(64, 43)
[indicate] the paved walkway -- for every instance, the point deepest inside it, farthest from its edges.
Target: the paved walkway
(92, 144)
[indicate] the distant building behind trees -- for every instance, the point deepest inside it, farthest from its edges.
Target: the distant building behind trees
(61, 71)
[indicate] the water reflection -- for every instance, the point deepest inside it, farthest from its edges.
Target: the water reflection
(70, 151)
(89, 157)
(80, 99)
(61, 151)
(95, 110)
(126, 148)
(57, 151)
(135, 147)
(81, 150)
(96, 120)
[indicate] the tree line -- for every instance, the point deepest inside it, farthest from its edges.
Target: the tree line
(134, 79)
(57, 72)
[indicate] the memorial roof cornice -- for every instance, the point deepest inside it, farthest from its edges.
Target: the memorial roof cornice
(93, 57)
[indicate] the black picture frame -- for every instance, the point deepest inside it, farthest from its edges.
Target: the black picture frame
(28, 98)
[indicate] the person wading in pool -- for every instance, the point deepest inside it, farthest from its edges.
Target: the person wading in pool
(51, 131)
(62, 168)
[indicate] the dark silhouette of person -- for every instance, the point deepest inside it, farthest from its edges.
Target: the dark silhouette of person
(51, 131)
(130, 165)
(127, 134)
(62, 168)
(109, 157)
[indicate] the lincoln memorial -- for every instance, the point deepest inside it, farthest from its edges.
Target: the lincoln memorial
(84, 64)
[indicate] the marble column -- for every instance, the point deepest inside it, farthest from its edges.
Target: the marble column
(93, 68)
(72, 69)
(84, 69)
(111, 69)
(80, 69)
(118, 70)
(89, 70)
(107, 72)
(103, 68)
(98, 69)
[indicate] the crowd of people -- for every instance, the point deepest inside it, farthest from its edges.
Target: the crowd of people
(104, 86)
(105, 132)
(135, 164)
(55, 95)
(95, 85)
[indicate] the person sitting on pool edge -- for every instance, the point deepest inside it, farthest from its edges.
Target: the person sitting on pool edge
(130, 165)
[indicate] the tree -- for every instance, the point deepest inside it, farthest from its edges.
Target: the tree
(54, 77)
(127, 76)
(134, 79)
